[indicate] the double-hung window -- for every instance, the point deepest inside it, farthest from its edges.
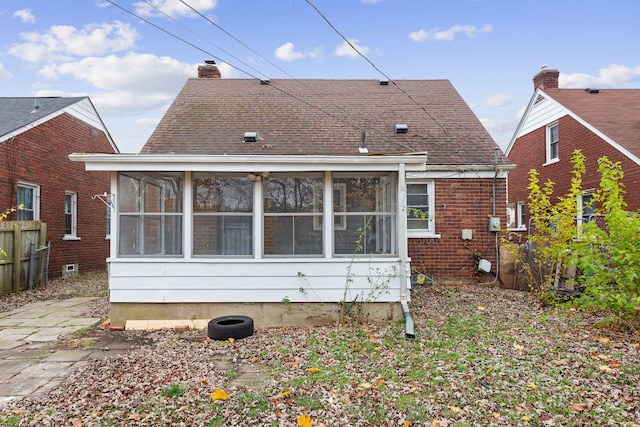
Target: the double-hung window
(552, 143)
(521, 214)
(28, 199)
(367, 224)
(292, 214)
(222, 215)
(150, 213)
(70, 214)
(420, 209)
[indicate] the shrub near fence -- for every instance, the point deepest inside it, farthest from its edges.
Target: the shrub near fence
(16, 238)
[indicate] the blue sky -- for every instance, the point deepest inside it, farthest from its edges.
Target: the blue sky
(488, 49)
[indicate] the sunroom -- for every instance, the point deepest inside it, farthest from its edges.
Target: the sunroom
(196, 237)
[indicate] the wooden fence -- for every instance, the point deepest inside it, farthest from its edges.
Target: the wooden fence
(18, 239)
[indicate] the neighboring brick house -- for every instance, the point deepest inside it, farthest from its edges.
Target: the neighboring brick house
(599, 122)
(36, 137)
(257, 192)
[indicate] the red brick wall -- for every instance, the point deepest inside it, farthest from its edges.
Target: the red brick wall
(460, 204)
(40, 156)
(528, 153)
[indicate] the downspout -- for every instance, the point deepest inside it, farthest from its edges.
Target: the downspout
(404, 252)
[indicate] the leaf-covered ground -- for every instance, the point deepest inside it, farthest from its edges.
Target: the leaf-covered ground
(481, 356)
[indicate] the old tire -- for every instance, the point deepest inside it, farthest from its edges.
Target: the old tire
(236, 327)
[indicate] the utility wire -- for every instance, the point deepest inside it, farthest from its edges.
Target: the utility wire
(204, 39)
(376, 68)
(285, 92)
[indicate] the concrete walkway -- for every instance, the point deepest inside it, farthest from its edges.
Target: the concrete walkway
(28, 363)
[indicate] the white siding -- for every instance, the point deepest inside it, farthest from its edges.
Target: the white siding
(257, 280)
(540, 115)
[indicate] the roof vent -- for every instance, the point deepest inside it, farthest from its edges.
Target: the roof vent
(402, 128)
(250, 137)
(383, 82)
(589, 90)
(36, 106)
(264, 81)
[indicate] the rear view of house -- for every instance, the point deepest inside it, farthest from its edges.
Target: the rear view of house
(599, 122)
(255, 194)
(36, 137)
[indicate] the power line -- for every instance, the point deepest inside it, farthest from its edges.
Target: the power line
(376, 68)
(204, 39)
(343, 118)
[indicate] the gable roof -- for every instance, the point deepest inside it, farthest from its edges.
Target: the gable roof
(323, 118)
(18, 114)
(613, 114)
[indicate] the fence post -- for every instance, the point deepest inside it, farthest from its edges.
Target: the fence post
(17, 253)
(32, 252)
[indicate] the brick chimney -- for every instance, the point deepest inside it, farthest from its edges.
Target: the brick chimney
(546, 79)
(209, 71)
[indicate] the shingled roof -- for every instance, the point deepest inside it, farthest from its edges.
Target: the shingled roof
(614, 112)
(16, 113)
(323, 117)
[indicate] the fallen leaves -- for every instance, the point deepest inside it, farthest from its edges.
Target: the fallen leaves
(578, 407)
(304, 421)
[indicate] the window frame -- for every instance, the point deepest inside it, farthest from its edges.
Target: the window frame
(521, 215)
(140, 214)
(430, 231)
(222, 214)
(35, 202)
(580, 218)
(71, 214)
(552, 155)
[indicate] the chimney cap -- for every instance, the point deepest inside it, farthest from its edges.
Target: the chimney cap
(210, 62)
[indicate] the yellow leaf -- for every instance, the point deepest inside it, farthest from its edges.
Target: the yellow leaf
(518, 347)
(496, 415)
(380, 380)
(603, 340)
(489, 371)
(304, 421)
(481, 308)
(406, 423)
(454, 409)
(231, 340)
(285, 393)
(17, 411)
(313, 370)
(531, 385)
(525, 418)
(219, 395)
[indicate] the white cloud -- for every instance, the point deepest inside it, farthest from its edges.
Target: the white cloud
(4, 73)
(615, 75)
(287, 53)
(63, 42)
(174, 8)
(498, 100)
(346, 50)
(25, 15)
(449, 34)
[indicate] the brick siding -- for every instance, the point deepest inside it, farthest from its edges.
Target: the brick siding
(40, 156)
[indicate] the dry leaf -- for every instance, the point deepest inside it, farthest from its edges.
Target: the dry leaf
(219, 395)
(558, 362)
(525, 418)
(454, 409)
(231, 340)
(379, 380)
(614, 364)
(578, 407)
(77, 423)
(481, 308)
(304, 421)
(313, 370)
(135, 416)
(518, 347)
(203, 381)
(365, 385)
(17, 411)
(531, 385)
(604, 340)
(604, 368)
(406, 423)
(496, 415)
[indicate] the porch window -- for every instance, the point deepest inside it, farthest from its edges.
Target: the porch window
(222, 215)
(369, 217)
(29, 199)
(291, 208)
(522, 215)
(150, 213)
